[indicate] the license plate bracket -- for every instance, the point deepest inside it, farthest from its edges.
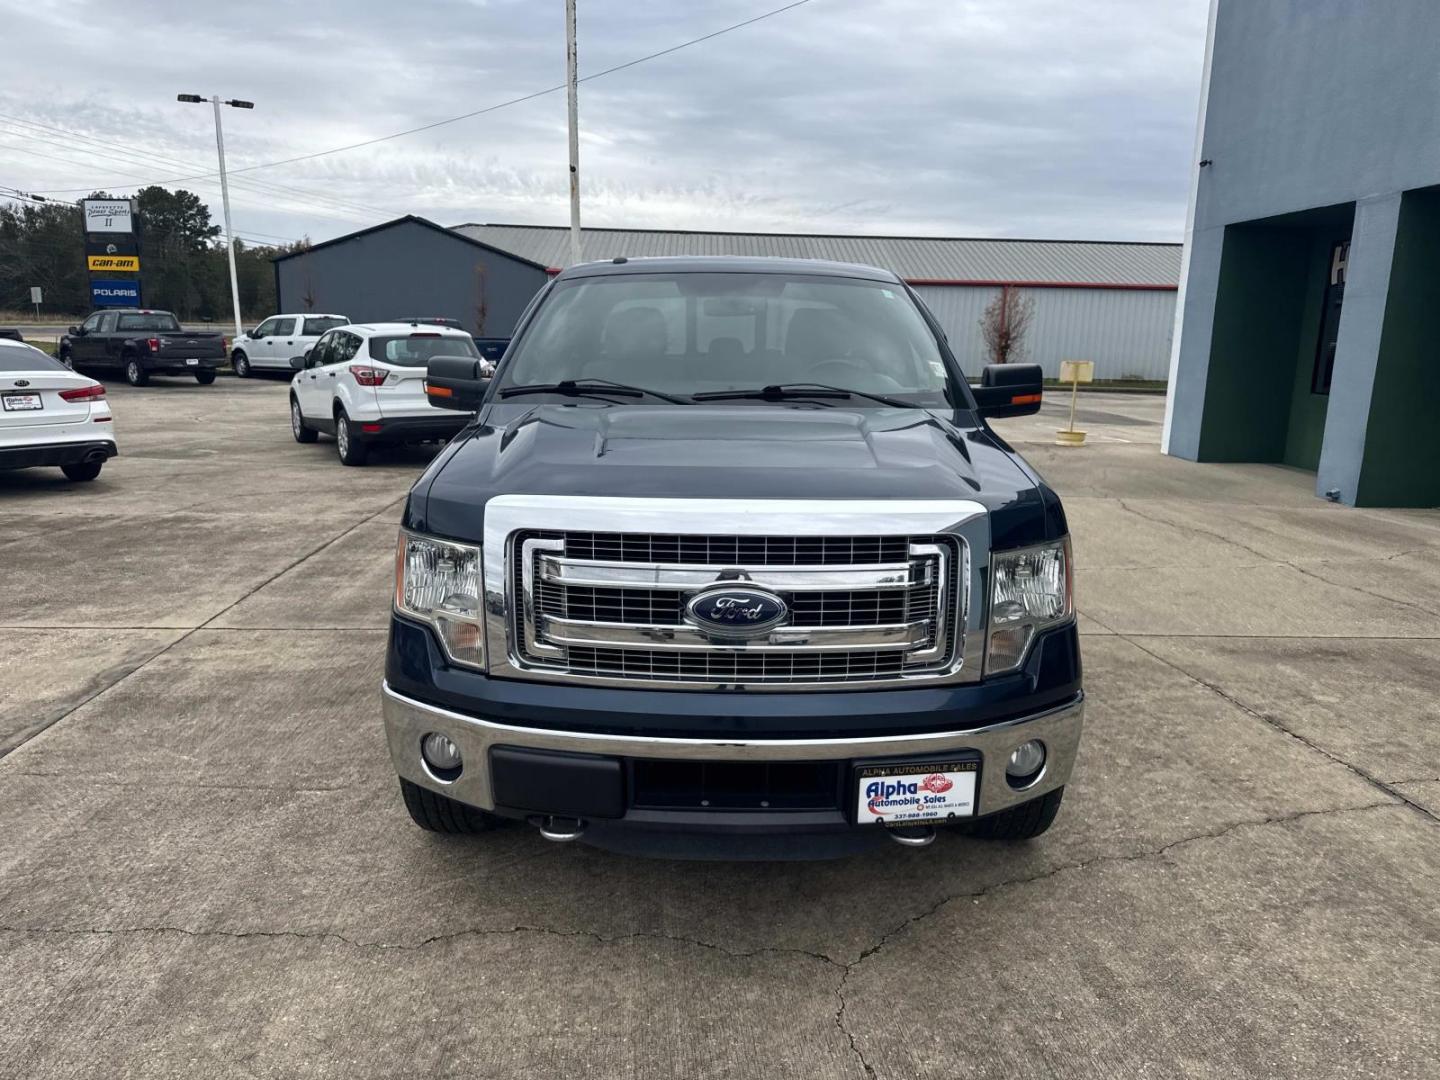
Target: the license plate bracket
(192, 361)
(901, 793)
(21, 402)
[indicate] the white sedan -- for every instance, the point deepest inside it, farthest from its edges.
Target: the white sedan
(365, 384)
(50, 415)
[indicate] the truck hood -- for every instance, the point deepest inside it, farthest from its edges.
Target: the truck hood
(731, 452)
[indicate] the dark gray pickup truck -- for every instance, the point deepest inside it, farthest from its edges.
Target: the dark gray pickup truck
(729, 552)
(141, 342)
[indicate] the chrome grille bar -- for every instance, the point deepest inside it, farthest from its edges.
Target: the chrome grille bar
(781, 639)
(638, 575)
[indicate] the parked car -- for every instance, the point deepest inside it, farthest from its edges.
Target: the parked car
(270, 345)
(365, 384)
(492, 348)
(731, 548)
(50, 415)
(142, 343)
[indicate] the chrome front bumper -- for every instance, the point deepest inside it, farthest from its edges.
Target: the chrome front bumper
(408, 721)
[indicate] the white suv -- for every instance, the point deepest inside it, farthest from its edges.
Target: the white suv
(270, 345)
(365, 384)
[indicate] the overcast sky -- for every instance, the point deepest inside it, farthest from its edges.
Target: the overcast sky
(1040, 118)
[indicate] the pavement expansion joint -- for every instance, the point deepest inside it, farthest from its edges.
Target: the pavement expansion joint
(190, 632)
(1276, 724)
(1270, 560)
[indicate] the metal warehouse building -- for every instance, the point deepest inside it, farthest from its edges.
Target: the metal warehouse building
(1113, 303)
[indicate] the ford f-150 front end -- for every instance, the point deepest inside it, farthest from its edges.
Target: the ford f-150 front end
(731, 548)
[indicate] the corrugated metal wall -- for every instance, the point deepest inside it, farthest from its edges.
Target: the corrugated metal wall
(1125, 331)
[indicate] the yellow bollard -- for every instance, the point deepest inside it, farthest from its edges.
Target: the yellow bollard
(1074, 372)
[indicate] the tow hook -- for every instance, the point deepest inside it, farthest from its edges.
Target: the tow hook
(913, 835)
(559, 829)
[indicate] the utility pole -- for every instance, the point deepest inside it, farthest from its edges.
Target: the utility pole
(224, 191)
(572, 82)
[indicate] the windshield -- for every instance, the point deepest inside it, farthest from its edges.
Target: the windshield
(691, 333)
(316, 326)
(415, 350)
(149, 322)
(26, 358)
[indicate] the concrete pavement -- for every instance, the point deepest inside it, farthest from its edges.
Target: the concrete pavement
(205, 868)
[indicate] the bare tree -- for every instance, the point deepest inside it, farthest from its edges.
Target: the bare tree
(1004, 324)
(482, 301)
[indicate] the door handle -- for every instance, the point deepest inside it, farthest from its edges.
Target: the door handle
(332, 374)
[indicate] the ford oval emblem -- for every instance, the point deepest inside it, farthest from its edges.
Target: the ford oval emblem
(737, 610)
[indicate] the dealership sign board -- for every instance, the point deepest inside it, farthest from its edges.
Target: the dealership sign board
(129, 263)
(114, 293)
(111, 244)
(108, 215)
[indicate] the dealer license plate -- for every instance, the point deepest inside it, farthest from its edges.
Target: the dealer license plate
(22, 402)
(192, 361)
(906, 793)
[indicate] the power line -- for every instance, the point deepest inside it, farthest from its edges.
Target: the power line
(128, 156)
(477, 112)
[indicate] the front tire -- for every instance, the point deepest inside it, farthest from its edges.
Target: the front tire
(351, 450)
(1023, 822)
(136, 375)
(298, 428)
(435, 813)
(241, 363)
(205, 376)
(82, 471)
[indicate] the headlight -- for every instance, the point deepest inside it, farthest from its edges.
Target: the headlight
(440, 583)
(1029, 591)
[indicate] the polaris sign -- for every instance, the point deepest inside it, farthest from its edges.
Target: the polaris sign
(105, 293)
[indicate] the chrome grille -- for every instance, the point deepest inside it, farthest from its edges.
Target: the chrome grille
(612, 605)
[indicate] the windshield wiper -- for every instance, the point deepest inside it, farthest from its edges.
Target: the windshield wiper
(792, 391)
(592, 387)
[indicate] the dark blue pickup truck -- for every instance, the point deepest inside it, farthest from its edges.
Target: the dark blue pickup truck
(730, 550)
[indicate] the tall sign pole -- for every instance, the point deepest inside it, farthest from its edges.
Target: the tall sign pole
(572, 101)
(225, 199)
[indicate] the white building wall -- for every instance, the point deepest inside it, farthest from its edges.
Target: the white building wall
(1126, 332)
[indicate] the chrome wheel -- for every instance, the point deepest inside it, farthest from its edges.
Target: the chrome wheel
(342, 437)
(296, 427)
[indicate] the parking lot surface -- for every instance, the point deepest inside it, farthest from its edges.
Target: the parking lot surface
(206, 869)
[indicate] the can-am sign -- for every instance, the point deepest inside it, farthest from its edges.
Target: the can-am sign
(107, 215)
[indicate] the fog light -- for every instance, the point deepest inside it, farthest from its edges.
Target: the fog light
(440, 753)
(1026, 760)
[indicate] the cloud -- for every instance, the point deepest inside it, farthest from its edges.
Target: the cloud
(960, 117)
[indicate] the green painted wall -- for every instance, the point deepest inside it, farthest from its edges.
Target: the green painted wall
(1307, 410)
(1260, 303)
(1402, 438)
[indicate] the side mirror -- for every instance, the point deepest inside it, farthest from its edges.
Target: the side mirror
(456, 382)
(1009, 390)
(76, 331)
(297, 363)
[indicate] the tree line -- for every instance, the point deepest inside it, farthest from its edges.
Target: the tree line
(182, 258)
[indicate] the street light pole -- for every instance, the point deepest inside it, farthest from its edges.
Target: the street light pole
(225, 191)
(225, 199)
(572, 101)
